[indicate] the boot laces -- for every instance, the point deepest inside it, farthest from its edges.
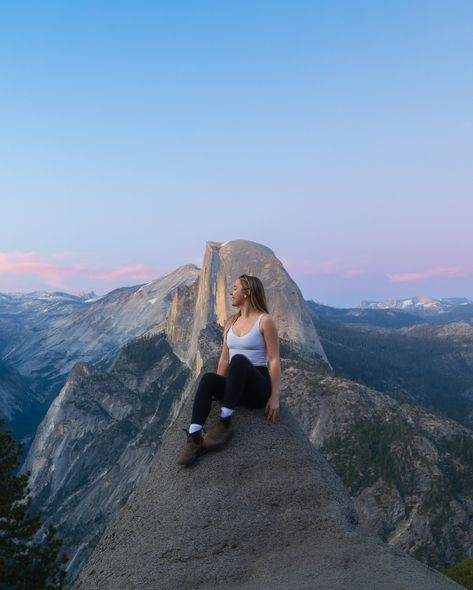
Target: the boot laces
(186, 430)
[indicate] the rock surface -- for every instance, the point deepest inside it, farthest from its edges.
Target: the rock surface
(208, 300)
(15, 393)
(99, 439)
(43, 335)
(407, 468)
(100, 434)
(286, 520)
(267, 512)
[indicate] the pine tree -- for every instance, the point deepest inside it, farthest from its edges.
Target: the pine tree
(28, 555)
(461, 572)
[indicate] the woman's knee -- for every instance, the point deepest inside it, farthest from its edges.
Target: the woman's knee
(211, 385)
(208, 378)
(206, 382)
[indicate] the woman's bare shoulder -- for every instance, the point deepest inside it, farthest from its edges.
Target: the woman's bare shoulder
(267, 320)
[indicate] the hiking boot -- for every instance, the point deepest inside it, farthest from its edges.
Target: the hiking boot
(193, 448)
(218, 435)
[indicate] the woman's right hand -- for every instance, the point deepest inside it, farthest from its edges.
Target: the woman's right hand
(272, 408)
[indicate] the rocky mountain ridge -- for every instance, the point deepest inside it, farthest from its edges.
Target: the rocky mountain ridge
(408, 469)
(432, 363)
(99, 437)
(267, 512)
(113, 407)
(422, 305)
(42, 336)
(105, 409)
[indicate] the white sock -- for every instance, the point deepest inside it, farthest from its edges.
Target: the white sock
(226, 412)
(195, 428)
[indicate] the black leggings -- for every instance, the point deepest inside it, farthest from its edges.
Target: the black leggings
(244, 384)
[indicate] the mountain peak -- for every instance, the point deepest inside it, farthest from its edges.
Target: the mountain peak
(208, 299)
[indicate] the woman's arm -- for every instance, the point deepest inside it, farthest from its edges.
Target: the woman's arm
(271, 338)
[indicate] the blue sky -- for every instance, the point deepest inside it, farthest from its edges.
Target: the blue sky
(339, 134)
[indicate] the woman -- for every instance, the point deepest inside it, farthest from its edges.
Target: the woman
(250, 342)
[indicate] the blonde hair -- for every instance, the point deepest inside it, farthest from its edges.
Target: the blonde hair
(257, 299)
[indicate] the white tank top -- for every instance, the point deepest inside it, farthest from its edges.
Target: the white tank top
(251, 345)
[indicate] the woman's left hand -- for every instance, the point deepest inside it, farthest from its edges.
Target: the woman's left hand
(272, 408)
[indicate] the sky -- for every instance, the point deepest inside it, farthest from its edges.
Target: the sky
(339, 134)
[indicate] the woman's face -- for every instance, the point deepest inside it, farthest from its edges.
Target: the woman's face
(238, 294)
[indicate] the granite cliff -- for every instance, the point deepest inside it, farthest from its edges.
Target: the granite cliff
(101, 432)
(43, 335)
(94, 452)
(99, 438)
(208, 299)
(268, 512)
(407, 468)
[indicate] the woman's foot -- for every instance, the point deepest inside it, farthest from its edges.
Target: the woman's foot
(193, 448)
(218, 435)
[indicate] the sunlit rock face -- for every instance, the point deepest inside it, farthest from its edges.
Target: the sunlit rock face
(208, 300)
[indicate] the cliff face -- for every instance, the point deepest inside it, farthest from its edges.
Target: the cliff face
(42, 336)
(15, 393)
(408, 469)
(55, 334)
(268, 512)
(102, 434)
(209, 299)
(99, 437)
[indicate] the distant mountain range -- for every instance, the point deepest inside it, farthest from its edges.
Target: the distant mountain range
(421, 305)
(43, 335)
(384, 394)
(397, 313)
(428, 358)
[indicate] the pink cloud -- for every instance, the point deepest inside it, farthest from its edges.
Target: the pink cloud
(52, 274)
(439, 271)
(29, 263)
